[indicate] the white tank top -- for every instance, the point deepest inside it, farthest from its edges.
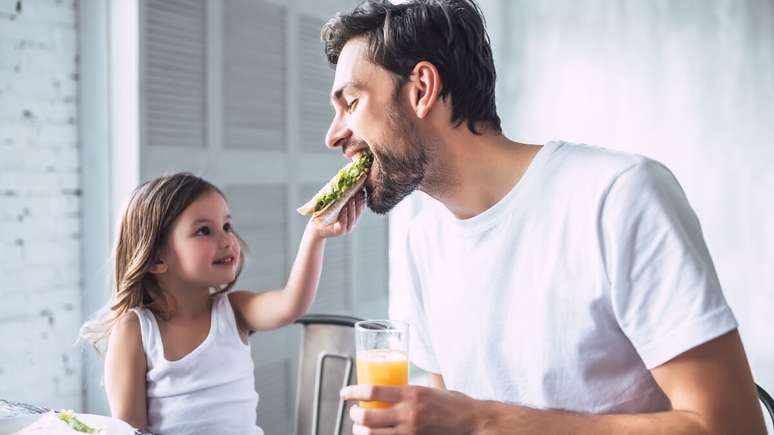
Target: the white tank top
(209, 391)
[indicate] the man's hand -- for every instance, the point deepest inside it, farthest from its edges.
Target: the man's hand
(415, 410)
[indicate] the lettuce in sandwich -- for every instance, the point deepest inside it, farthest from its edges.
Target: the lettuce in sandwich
(325, 206)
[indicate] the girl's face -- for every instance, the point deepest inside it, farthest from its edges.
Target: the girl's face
(202, 249)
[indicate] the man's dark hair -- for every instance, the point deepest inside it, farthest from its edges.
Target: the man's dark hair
(450, 34)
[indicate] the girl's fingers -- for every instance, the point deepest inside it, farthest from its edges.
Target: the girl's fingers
(353, 215)
(343, 220)
(360, 203)
(349, 215)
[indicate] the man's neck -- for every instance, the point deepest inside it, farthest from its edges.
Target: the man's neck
(477, 171)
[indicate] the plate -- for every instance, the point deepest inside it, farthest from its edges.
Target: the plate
(112, 426)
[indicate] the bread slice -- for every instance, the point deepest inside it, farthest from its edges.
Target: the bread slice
(330, 213)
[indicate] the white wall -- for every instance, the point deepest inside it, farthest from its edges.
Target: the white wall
(690, 83)
(39, 204)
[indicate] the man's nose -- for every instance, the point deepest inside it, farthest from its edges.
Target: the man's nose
(336, 132)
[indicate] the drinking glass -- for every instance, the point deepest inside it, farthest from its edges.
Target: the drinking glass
(381, 348)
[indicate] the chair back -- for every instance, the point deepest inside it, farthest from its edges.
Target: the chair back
(768, 403)
(327, 365)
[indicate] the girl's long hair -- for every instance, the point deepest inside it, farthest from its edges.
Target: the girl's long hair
(145, 225)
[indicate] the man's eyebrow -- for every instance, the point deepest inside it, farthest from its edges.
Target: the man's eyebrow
(336, 95)
(205, 220)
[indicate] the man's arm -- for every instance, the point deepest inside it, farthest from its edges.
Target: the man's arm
(710, 387)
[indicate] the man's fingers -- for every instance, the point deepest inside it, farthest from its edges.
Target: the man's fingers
(373, 417)
(382, 393)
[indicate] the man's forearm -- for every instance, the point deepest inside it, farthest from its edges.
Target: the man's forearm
(496, 418)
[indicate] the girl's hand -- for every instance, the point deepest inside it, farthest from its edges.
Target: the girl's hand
(347, 218)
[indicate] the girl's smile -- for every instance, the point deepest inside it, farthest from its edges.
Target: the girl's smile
(225, 261)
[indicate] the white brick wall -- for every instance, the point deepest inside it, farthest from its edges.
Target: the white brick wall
(40, 288)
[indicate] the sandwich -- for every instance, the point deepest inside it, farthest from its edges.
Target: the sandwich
(325, 206)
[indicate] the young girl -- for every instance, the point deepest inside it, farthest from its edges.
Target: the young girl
(178, 359)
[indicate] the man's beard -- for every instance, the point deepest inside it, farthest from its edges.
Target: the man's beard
(400, 164)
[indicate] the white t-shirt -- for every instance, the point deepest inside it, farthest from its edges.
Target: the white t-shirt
(588, 273)
(209, 391)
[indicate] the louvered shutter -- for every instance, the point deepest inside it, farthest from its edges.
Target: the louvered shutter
(175, 73)
(314, 86)
(254, 73)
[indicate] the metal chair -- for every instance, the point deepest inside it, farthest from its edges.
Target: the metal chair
(327, 364)
(767, 402)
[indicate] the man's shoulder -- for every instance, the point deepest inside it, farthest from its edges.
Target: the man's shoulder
(593, 168)
(585, 157)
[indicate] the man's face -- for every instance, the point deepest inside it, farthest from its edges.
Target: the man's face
(371, 114)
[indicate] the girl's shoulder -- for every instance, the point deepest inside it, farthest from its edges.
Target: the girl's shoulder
(126, 333)
(127, 326)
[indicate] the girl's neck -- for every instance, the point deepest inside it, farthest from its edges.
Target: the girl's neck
(192, 305)
(189, 302)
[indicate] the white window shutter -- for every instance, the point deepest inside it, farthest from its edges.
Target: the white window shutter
(254, 72)
(259, 213)
(314, 86)
(175, 83)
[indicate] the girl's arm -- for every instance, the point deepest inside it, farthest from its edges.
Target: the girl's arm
(125, 372)
(275, 308)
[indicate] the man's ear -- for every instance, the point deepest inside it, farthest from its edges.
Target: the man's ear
(158, 267)
(425, 87)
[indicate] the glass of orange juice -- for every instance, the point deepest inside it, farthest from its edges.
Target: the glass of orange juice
(382, 355)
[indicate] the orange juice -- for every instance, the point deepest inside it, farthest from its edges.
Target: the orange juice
(381, 367)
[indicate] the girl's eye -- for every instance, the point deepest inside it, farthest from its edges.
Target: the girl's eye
(228, 228)
(351, 106)
(203, 231)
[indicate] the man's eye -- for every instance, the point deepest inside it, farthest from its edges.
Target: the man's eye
(203, 231)
(351, 106)
(228, 228)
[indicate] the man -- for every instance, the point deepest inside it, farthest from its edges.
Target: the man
(562, 288)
